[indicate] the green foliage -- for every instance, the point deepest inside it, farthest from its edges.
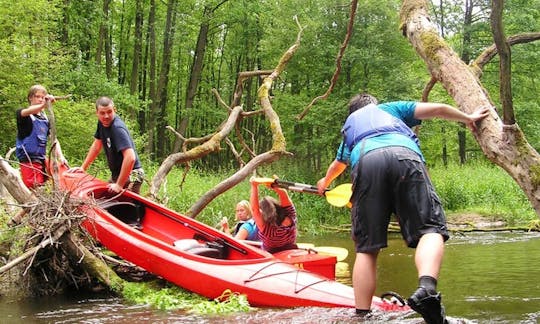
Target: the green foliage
(55, 43)
(227, 303)
(157, 296)
(482, 188)
(176, 298)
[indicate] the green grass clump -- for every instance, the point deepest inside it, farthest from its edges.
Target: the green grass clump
(175, 298)
(484, 189)
(227, 303)
(163, 298)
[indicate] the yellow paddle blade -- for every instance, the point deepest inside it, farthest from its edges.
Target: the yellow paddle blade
(339, 252)
(340, 195)
(342, 270)
(305, 245)
(264, 180)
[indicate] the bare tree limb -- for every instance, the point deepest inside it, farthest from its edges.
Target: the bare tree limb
(505, 55)
(352, 15)
(211, 145)
(489, 53)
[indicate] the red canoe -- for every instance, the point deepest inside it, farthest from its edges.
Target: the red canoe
(202, 259)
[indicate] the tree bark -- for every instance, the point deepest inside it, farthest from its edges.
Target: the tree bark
(504, 145)
(505, 61)
(135, 74)
(96, 267)
(152, 77)
(163, 82)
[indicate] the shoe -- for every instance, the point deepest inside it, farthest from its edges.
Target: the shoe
(427, 305)
(363, 314)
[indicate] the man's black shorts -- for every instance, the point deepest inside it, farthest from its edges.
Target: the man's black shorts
(393, 180)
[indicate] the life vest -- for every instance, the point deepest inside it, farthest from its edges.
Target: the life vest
(253, 235)
(371, 121)
(34, 145)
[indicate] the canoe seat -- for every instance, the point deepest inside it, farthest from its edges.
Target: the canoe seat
(128, 212)
(207, 249)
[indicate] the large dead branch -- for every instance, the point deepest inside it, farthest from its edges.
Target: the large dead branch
(505, 146)
(212, 145)
(95, 266)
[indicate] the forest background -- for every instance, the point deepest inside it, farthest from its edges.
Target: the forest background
(160, 61)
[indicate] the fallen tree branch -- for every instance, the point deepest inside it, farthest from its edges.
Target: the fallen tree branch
(32, 252)
(96, 267)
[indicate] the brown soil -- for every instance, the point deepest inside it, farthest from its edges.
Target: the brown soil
(472, 220)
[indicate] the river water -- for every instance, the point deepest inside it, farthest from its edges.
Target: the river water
(486, 278)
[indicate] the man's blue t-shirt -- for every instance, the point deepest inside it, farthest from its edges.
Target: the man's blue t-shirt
(115, 139)
(403, 110)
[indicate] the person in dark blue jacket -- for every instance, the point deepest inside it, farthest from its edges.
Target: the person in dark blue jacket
(389, 176)
(32, 135)
(114, 138)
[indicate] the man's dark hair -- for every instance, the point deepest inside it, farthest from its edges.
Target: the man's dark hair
(361, 100)
(104, 102)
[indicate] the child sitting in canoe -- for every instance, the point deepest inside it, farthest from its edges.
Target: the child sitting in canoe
(275, 219)
(245, 228)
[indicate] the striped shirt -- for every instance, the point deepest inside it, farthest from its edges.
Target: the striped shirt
(277, 238)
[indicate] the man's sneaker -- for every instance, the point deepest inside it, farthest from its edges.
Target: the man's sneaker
(429, 306)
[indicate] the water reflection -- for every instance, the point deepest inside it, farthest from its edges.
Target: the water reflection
(486, 278)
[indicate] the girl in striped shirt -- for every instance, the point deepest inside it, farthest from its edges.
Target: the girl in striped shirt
(275, 219)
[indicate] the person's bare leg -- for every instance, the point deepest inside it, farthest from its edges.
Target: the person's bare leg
(364, 279)
(428, 259)
(429, 255)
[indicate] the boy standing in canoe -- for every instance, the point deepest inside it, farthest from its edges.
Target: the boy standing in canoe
(32, 134)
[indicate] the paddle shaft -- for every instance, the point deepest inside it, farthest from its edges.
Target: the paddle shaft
(338, 196)
(294, 186)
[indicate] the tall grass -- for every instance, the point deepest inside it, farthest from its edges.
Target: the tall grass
(484, 189)
(474, 188)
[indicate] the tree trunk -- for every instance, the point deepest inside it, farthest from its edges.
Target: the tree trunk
(96, 267)
(152, 77)
(103, 34)
(194, 75)
(505, 61)
(465, 57)
(134, 84)
(504, 145)
(163, 83)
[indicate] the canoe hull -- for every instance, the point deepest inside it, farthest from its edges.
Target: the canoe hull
(283, 280)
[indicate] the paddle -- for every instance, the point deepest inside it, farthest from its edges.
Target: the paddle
(339, 196)
(339, 252)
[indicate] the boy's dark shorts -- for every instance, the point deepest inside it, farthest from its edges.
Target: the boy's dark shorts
(393, 180)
